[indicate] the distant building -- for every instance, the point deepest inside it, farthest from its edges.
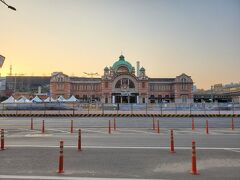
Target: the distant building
(28, 84)
(219, 93)
(120, 84)
(2, 85)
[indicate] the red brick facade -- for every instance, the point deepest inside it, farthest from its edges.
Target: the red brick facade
(119, 84)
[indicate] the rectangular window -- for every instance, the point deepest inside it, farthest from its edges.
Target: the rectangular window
(106, 84)
(143, 100)
(143, 84)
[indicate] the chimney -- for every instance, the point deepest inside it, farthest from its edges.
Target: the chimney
(138, 68)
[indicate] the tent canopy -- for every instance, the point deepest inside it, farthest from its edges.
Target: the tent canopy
(36, 99)
(50, 99)
(61, 99)
(23, 100)
(72, 99)
(10, 100)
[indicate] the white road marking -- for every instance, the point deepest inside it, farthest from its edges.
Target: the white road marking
(61, 177)
(58, 130)
(129, 147)
(94, 131)
(234, 150)
(132, 130)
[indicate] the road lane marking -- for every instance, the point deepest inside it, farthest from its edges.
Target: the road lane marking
(132, 130)
(61, 177)
(234, 150)
(94, 131)
(58, 130)
(129, 147)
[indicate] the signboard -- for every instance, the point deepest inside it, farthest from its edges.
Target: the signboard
(2, 58)
(125, 93)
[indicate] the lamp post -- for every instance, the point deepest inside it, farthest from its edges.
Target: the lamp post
(10, 7)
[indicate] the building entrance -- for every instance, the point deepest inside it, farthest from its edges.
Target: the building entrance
(125, 99)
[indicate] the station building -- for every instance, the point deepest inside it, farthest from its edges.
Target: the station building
(121, 84)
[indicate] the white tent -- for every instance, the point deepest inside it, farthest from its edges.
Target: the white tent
(23, 100)
(10, 100)
(36, 99)
(72, 99)
(61, 99)
(50, 100)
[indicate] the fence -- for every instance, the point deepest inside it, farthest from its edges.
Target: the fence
(100, 108)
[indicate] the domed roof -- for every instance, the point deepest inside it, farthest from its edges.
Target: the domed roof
(142, 69)
(122, 62)
(106, 69)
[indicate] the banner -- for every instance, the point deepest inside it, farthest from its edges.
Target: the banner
(2, 58)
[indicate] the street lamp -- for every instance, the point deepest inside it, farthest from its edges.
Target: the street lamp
(10, 7)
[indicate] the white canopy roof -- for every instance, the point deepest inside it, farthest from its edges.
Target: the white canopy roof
(36, 99)
(50, 99)
(72, 99)
(23, 100)
(10, 100)
(61, 99)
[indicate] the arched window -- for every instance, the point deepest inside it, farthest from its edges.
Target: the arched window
(125, 83)
(184, 85)
(118, 84)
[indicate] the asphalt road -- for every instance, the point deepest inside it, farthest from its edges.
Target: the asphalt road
(134, 150)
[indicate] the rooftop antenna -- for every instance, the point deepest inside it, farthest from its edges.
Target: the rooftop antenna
(10, 73)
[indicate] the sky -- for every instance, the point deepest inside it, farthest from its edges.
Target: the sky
(198, 37)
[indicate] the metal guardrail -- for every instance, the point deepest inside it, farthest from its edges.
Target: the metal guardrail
(100, 108)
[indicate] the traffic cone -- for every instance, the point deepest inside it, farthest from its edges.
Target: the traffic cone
(193, 124)
(79, 140)
(109, 127)
(31, 123)
(232, 124)
(171, 142)
(194, 159)
(43, 127)
(206, 126)
(60, 162)
(71, 129)
(2, 140)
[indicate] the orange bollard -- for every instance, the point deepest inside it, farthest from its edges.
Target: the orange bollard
(60, 162)
(114, 123)
(158, 127)
(194, 159)
(193, 125)
(43, 127)
(79, 140)
(153, 125)
(2, 139)
(232, 124)
(109, 127)
(71, 129)
(31, 123)
(171, 142)
(206, 126)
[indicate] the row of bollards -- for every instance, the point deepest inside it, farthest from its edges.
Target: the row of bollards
(79, 142)
(153, 126)
(61, 157)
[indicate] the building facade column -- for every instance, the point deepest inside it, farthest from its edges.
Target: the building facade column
(113, 99)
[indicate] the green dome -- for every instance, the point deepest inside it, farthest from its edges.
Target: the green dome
(142, 69)
(122, 62)
(106, 69)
